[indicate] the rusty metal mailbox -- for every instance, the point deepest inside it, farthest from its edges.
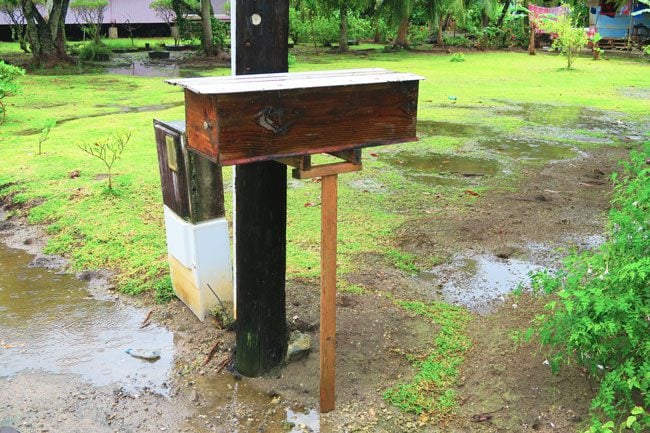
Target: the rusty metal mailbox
(248, 118)
(191, 185)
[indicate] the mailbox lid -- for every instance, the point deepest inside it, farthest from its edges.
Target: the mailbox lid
(291, 80)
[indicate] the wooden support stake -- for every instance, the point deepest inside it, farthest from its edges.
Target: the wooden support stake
(328, 293)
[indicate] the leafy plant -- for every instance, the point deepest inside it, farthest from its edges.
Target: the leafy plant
(457, 57)
(45, 134)
(570, 39)
(595, 49)
(94, 51)
(108, 151)
(599, 314)
(9, 86)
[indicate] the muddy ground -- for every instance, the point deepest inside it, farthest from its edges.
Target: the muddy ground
(558, 204)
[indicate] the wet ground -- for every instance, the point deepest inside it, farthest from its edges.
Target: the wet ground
(51, 322)
(63, 365)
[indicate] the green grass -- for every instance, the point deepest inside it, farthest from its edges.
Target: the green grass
(124, 231)
(431, 390)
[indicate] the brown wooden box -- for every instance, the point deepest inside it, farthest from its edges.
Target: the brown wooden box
(243, 119)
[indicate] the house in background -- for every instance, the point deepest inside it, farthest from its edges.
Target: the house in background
(122, 14)
(620, 24)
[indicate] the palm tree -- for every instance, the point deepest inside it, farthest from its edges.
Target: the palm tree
(439, 11)
(399, 13)
(344, 7)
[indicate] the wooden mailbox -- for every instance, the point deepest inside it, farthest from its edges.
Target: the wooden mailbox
(288, 117)
(248, 118)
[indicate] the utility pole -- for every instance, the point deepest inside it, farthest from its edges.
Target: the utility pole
(260, 45)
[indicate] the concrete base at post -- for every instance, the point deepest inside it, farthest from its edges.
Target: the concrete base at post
(199, 255)
(112, 33)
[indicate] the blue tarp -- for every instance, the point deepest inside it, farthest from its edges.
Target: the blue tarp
(619, 26)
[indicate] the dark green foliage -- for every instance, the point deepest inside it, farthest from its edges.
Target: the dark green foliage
(93, 51)
(600, 312)
(9, 86)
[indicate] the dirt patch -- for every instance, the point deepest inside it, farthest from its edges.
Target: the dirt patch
(508, 385)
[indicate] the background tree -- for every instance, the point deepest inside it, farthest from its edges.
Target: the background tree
(164, 9)
(440, 12)
(90, 14)
(46, 36)
(206, 22)
(11, 8)
(344, 7)
(398, 13)
(9, 86)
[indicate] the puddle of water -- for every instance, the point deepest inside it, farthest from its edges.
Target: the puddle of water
(477, 282)
(531, 149)
(230, 405)
(441, 169)
(576, 118)
(451, 129)
(304, 422)
(50, 322)
(143, 69)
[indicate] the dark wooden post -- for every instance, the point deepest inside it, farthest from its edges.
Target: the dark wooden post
(261, 46)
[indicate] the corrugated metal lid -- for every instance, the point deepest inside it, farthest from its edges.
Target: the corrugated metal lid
(291, 80)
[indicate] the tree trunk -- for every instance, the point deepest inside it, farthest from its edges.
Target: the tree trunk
(440, 42)
(343, 34)
(485, 19)
(506, 6)
(376, 36)
(401, 40)
(206, 20)
(47, 38)
(531, 42)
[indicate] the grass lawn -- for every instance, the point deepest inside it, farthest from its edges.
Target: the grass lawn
(463, 106)
(123, 230)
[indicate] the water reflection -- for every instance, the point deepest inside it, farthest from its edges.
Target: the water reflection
(50, 322)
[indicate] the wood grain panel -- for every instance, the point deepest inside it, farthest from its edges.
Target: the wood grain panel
(268, 125)
(200, 111)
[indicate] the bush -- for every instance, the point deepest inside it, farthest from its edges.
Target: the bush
(458, 41)
(570, 39)
(9, 86)
(94, 51)
(417, 34)
(600, 314)
(359, 28)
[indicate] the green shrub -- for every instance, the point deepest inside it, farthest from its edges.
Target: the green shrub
(325, 29)
(458, 41)
(418, 34)
(93, 51)
(600, 312)
(9, 86)
(570, 39)
(457, 57)
(359, 28)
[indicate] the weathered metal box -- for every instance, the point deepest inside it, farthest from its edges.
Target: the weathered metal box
(248, 118)
(191, 184)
